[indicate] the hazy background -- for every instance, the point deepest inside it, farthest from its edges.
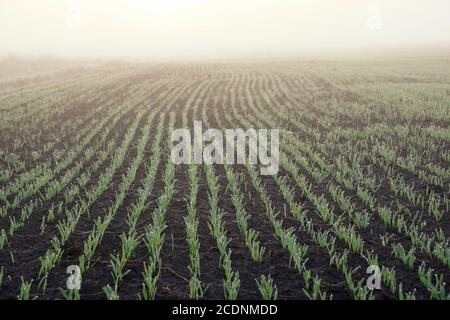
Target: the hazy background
(200, 29)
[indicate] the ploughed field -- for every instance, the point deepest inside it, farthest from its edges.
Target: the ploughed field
(87, 180)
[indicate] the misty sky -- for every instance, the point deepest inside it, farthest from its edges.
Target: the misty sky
(203, 28)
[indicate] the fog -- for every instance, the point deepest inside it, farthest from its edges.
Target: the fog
(199, 29)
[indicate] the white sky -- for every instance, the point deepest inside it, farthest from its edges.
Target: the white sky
(201, 28)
